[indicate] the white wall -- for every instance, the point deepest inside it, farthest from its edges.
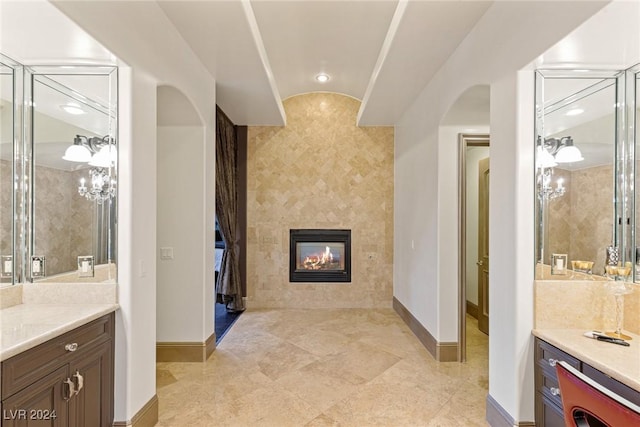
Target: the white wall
(421, 279)
(180, 222)
(135, 327)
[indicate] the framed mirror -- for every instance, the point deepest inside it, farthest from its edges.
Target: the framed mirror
(7, 133)
(73, 199)
(580, 172)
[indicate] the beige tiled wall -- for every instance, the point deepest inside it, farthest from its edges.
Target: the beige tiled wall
(581, 221)
(320, 171)
(559, 240)
(63, 220)
(6, 207)
(584, 305)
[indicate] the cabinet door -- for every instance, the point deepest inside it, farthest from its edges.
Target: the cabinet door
(42, 404)
(93, 405)
(547, 413)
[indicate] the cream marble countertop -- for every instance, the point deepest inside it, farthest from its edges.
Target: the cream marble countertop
(619, 362)
(24, 326)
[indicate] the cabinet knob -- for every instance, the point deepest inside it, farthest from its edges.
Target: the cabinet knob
(71, 347)
(555, 391)
(552, 362)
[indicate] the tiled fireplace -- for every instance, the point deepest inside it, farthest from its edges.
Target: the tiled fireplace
(319, 255)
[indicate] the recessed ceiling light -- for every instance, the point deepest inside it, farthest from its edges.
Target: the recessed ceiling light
(73, 109)
(574, 112)
(322, 78)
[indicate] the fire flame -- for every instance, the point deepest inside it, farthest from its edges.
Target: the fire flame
(317, 262)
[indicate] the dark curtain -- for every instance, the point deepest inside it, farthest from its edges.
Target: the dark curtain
(228, 287)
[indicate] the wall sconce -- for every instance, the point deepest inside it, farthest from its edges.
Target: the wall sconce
(93, 150)
(558, 150)
(101, 154)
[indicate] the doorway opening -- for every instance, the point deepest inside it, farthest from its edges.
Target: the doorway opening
(473, 267)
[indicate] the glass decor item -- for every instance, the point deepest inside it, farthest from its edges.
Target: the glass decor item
(619, 289)
(613, 255)
(582, 266)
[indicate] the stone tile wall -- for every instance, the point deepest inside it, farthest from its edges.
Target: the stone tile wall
(583, 304)
(6, 207)
(63, 220)
(320, 171)
(581, 221)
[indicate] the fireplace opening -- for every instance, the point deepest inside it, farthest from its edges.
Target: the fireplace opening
(318, 255)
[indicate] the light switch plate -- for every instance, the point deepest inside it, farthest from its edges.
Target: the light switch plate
(86, 266)
(166, 253)
(38, 266)
(6, 266)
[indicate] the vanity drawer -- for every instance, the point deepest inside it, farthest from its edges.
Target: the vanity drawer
(614, 385)
(548, 386)
(25, 368)
(547, 356)
(546, 379)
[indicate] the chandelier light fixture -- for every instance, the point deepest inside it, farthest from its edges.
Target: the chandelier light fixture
(101, 187)
(550, 153)
(546, 189)
(101, 155)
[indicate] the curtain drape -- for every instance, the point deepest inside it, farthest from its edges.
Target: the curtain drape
(228, 288)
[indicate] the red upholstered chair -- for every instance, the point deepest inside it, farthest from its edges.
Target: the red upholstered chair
(587, 403)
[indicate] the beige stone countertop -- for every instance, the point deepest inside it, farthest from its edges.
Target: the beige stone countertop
(619, 362)
(24, 326)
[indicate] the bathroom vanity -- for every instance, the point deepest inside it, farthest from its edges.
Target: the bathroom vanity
(57, 364)
(58, 243)
(615, 367)
(564, 311)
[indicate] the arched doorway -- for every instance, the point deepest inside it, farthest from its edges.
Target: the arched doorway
(184, 227)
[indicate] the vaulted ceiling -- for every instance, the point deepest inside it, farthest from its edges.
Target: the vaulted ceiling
(381, 52)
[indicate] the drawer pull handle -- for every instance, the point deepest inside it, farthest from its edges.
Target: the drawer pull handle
(72, 388)
(71, 347)
(79, 381)
(555, 391)
(552, 362)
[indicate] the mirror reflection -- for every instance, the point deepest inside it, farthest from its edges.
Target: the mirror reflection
(576, 169)
(6, 173)
(74, 175)
(635, 121)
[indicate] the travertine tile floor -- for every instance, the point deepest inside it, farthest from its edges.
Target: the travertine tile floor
(339, 367)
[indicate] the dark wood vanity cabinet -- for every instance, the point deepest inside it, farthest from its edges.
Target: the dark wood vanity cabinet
(66, 381)
(548, 400)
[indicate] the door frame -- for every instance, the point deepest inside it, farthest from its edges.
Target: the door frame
(465, 140)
